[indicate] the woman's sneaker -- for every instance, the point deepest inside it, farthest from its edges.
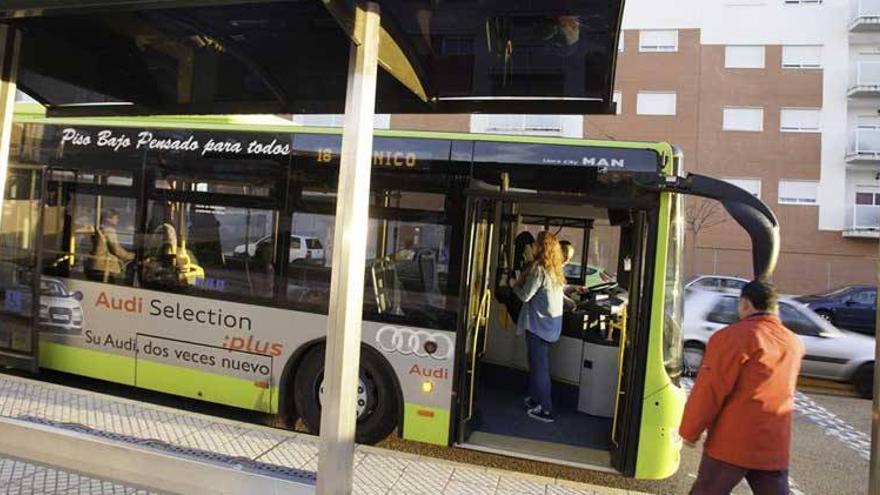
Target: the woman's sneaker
(530, 403)
(541, 415)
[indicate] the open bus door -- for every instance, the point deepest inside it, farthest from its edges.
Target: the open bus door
(20, 258)
(476, 288)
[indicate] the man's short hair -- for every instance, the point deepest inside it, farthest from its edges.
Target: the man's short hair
(109, 213)
(567, 249)
(761, 294)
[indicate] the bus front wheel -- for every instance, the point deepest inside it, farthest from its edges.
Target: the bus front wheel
(378, 409)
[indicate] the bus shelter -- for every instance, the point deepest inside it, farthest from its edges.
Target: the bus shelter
(148, 57)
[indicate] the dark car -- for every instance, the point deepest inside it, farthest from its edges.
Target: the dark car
(853, 307)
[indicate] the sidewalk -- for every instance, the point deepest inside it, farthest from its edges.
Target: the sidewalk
(243, 446)
(22, 477)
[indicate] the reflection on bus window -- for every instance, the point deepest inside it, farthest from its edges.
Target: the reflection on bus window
(407, 261)
(217, 248)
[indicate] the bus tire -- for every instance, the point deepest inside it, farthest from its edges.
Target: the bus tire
(378, 415)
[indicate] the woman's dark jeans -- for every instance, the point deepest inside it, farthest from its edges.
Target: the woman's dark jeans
(539, 370)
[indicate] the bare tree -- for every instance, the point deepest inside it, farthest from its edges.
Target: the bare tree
(700, 215)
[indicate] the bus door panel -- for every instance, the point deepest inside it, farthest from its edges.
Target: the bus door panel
(20, 253)
(637, 281)
(59, 236)
(477, 292)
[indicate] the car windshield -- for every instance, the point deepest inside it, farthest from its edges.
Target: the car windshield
(826, 327)
(51, 289)
(313, 244)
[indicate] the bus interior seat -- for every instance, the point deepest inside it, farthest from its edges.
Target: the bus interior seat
(386, 287)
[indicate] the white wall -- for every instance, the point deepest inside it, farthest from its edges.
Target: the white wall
(772, 22)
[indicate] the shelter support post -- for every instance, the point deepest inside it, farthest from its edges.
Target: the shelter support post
(10, 41)
(342, 358)
(874, 478)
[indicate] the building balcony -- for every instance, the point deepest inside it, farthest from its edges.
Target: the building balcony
(864, 16)
(864, 146)
(864, 222)
(864, 79)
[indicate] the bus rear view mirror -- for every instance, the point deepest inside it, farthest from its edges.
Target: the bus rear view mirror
(755, 217)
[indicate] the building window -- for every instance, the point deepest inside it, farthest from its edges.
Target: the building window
(535, 125)
(380, 120)
(802, 57)
(799, 120)
(743, 119)
(798, 192)
(618, 102)
(620, 44)
(752, 186)
(865, 197)
(658, 40)
(744, 57)
(655, 103)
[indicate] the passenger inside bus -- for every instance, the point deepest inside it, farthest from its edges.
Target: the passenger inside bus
(108, 259)
(163, 263)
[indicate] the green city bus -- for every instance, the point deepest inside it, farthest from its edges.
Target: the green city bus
(191, 256)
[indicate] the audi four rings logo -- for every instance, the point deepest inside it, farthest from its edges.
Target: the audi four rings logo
(411, 342)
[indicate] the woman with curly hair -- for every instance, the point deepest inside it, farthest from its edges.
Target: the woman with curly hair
(541, 291)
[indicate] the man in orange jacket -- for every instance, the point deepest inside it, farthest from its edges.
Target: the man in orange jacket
(744, 397)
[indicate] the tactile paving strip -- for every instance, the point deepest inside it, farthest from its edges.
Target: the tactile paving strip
(23, 478)
(238, 462)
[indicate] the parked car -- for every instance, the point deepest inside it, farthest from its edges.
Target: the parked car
(831, 353)
(715, 282)
(595, 275)
(301, 248)
(853, 307)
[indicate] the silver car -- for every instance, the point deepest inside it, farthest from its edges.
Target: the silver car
(831, 353)
(715, 282)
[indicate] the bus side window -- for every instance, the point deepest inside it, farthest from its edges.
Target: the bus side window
(308, 260)
(89, 226)
(407, 259)
(221, 249)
